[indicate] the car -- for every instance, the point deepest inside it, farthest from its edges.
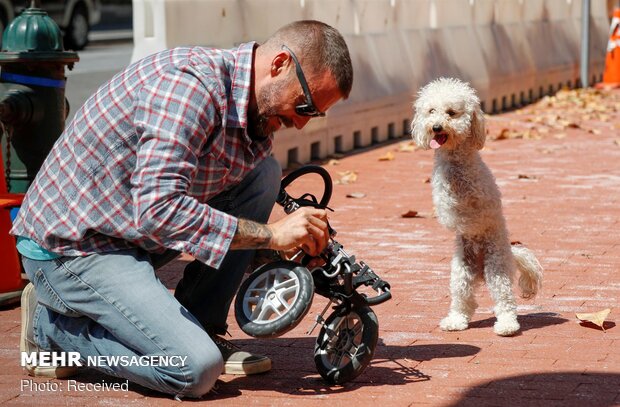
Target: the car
(74, 17)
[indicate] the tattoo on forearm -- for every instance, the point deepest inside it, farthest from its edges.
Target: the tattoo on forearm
(251, 235)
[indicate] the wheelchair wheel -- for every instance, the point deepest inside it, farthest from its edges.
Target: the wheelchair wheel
(346, 344)
(274, 299)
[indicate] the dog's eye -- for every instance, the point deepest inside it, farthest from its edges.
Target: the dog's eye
(451, 113)
(432, 111)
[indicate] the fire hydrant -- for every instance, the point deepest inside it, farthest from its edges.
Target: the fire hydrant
(32, 117)
(33, 108)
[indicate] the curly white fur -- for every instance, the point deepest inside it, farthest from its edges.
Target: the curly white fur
(448, 118)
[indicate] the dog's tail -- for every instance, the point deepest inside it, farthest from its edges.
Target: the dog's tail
(531, 272)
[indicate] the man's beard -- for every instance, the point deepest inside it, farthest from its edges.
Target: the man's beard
(258, 124)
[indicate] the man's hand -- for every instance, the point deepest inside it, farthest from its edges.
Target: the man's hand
(305, 228)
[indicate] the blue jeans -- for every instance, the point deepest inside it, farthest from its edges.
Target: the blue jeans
(112, 304)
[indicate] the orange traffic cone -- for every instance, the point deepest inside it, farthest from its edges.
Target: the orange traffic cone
(611, 76)
(10, 278)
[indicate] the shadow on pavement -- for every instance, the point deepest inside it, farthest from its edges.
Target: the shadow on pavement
(294, 372)
(528, 321)
(592, 389)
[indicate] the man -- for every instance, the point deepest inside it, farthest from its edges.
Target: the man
(171, 155)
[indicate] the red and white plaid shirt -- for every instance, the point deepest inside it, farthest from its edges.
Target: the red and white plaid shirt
(144, 154)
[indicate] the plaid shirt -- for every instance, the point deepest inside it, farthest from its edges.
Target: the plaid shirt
(143, 156)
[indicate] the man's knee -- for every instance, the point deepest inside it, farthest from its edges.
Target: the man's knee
(272, 168)
(198, 375)
(271, 174)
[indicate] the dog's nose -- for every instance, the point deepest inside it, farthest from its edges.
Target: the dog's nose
(437, 128)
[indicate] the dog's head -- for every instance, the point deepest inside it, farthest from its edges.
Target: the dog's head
(448, 114)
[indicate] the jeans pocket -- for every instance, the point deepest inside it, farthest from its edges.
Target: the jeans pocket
(47, 296)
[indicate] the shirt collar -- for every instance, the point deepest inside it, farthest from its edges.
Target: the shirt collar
(241, 74)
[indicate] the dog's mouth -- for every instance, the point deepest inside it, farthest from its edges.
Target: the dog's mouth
(439, 140)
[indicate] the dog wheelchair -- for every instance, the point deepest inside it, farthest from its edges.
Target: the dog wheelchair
(277, 295)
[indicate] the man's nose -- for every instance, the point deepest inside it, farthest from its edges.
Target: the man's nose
(301, 121)
(437, 128)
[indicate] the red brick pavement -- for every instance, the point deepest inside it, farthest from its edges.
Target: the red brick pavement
(561, 198)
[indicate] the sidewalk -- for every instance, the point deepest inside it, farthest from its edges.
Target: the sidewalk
(559, 173)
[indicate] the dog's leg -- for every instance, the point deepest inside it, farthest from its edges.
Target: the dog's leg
(499, 268)
(462, 285)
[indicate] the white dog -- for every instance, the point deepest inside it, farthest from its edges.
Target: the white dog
(448, 119)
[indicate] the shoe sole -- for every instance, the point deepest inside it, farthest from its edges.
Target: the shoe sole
(245, 369)
(37, 371)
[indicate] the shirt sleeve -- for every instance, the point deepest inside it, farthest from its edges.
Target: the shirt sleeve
(174, 117)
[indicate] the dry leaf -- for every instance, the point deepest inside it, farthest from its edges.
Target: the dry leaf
(617, 141)
(427, 181)
(356, 195)
(525, 176)
(333, 162)
(503, 134)
(389, 156)
(560, 136)
(532, 134)
(410, 214)
(407, 147)
(347, 177)
(597, 318)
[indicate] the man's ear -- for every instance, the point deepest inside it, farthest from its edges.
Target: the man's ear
(280, 63)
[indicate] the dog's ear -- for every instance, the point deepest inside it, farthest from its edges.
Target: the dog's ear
(418, 132)
(478, 130)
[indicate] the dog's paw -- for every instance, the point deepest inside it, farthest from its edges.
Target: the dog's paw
(454, 322)
(506, 325)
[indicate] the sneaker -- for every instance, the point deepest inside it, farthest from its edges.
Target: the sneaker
(26, 340)
(238, 362)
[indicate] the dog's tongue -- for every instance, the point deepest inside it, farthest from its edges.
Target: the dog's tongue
(438, 141)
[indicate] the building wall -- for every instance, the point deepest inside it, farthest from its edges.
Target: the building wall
(512, 51)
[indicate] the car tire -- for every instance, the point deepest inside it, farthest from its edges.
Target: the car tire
(76, 34)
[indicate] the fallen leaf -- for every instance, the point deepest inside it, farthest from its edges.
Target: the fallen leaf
(356, 195)
(410, 214)
(333, 162)
(532, 134)
(427, 181)
(597, 318)
(503, 134)
(525, 176)
(560, 136)
(617, 141)
(389, 156)
(407, 147)
(347, 177)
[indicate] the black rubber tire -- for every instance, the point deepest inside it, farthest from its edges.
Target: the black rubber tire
(325, 350)
(76, 33)
(302, 300)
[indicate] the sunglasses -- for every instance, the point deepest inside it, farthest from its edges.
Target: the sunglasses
(308, 108)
